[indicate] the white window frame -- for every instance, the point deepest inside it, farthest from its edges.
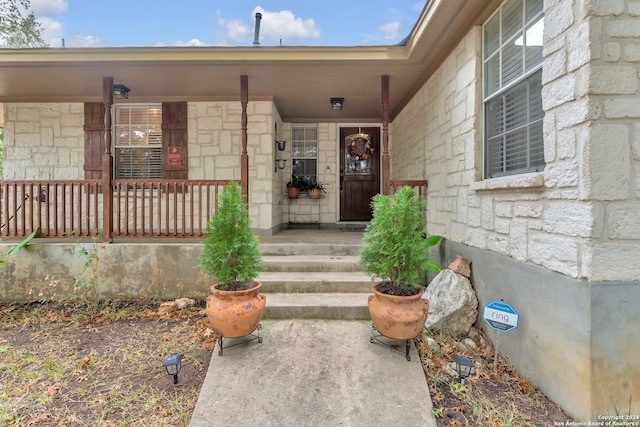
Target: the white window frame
(143, 135)
(512, 66)
(304, 150)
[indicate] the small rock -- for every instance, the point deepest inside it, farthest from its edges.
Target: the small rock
(461, 266)
(477, 336)
(168, 307)
(433, 345)
(183, 303)
(450, 370)
(470, 343)
(453, 305)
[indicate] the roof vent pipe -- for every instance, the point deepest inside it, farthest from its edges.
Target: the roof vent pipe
(256, 34)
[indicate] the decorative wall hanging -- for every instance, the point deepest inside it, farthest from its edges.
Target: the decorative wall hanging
(359, 154)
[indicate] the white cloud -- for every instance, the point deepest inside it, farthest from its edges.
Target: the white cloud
(237, 30)
(52, 31)
(49, 8)
(284, 25)
(390, 30)
(46, 11)
(192, 42)
(274, 26)
(84, 41)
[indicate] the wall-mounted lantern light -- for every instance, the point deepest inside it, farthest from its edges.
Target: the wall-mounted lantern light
(281, 145)
(121, 91)
(173, 365)
(280, 163)
(337, 103)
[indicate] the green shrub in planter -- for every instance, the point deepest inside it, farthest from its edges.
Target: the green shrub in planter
(231, 253)
(397, 246)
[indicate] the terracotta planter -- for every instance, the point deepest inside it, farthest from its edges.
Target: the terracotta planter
(294, 192)
(315, 193)
(235, 313)
(398, 317)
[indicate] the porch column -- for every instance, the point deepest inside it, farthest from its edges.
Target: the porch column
(244, 157)
(107, 162)
(386, 160)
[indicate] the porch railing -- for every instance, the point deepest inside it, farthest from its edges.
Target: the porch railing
(177, 208)
(420, 185)
(60, 208)
(174, 208)
(165, 208)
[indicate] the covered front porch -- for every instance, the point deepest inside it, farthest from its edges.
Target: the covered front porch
(195, 147)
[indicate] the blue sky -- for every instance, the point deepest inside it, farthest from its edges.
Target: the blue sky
(118, 23)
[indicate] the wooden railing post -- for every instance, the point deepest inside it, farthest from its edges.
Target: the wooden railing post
(107, 162)
(244, 158)
(386, 160)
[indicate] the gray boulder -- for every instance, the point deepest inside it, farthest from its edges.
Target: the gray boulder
(453, 305)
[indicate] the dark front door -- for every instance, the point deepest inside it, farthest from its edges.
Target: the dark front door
(359, 171)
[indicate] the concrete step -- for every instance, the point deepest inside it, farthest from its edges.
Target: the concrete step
(313, 277)
(315, 282)
(328, 306)
(311, 263)
(310, 248)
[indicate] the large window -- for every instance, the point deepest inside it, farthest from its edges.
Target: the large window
(512, 59)
(304, 151)
(138, 141)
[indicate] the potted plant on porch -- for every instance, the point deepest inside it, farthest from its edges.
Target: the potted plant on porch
(231, 255)
(397, 254)
(315, 190)
(296, 185)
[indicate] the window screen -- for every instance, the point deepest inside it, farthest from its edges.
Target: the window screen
(304, 151)
(512, 58)
(138, 141)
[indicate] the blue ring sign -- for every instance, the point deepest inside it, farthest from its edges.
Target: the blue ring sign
(500, 316)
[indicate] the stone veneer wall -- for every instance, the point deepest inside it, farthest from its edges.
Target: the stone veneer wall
(215, 146)
(43, 141)
(598, 123)
(579, 219)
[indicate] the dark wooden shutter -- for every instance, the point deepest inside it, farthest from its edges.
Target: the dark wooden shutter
(174, 135)
(93, 139)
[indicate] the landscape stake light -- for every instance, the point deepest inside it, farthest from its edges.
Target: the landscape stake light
(172, 364)
(463, 367)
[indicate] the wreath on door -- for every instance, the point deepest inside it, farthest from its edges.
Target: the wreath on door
(361, 147)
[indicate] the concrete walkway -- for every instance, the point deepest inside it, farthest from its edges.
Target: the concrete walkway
(314, 373)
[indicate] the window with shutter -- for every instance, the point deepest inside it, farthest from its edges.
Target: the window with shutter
(512, 58)
(137, 141)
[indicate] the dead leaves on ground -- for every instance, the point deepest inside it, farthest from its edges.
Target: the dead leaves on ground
(99, 361)
(494, 395)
